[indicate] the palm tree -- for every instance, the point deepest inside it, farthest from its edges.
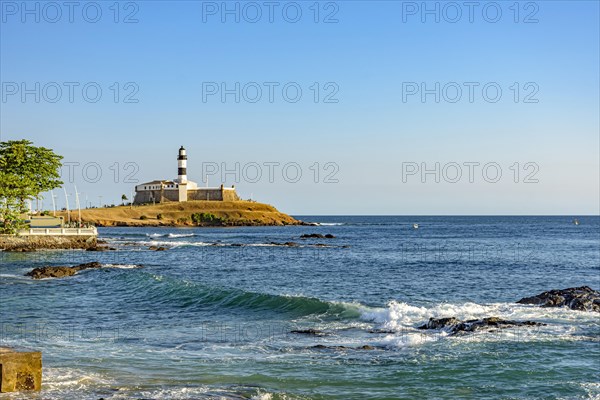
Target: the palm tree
(123, 199)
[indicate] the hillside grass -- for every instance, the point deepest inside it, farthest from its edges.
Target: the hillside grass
(233, 213)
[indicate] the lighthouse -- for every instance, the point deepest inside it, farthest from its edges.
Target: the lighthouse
(180, 189)
(182, 166)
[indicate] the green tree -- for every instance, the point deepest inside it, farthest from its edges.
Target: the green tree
(26, 171)
(123, 199)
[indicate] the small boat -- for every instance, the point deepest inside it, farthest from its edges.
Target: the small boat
(576, 221)
(415, 226)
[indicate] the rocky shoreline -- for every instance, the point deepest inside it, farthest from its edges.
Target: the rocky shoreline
(32, 243)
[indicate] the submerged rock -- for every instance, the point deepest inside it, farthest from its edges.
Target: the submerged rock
(322, 346)
(100, 248)
(314, 332)
(60, 272)
(440, 323)
(382, 331)
(317, 236)
(581, 298)
(287, 244)
(455, 326)
(364, 347)
(157, 248)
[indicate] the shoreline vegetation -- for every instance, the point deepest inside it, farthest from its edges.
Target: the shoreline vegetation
(185, 214)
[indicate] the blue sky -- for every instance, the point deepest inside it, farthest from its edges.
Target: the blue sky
(364, 131)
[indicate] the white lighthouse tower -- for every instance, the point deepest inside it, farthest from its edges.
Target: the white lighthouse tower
(182, 174)
(182, 166)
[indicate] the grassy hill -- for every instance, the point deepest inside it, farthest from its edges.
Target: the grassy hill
(216, 213)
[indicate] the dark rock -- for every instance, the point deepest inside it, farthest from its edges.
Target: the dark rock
(93, 264)
(288, 244)
(316, 236)
(455, 326)
(581, 298)
(439, 323)
(157, 248)
(100, 248)
(60, 272)
(382, 331)
(312, 236)
(314, 332)
(323, 347)
(51, 272)
(21, 250)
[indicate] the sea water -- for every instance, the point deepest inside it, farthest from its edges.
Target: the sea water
(212, 316)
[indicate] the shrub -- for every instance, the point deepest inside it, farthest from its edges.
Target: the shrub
(143, 217)
(159, 216)
(207, 219)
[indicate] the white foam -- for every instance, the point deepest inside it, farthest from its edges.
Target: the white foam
(170, 235)
(122, 266)
(262, 396)
(180, 235)
(154, 235)
(173, 243)
(13, 276)
(592, 389)
(61, 379)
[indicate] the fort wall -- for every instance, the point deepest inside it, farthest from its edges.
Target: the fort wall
(162, 196)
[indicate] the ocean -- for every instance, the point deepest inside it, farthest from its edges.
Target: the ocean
(213, 315)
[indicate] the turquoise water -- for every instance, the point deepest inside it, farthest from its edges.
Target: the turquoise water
(212, 316)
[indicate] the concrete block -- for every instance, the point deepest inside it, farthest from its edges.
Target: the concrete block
(20, 369)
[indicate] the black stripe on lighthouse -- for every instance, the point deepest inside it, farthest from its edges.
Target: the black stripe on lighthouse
(182, 171)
